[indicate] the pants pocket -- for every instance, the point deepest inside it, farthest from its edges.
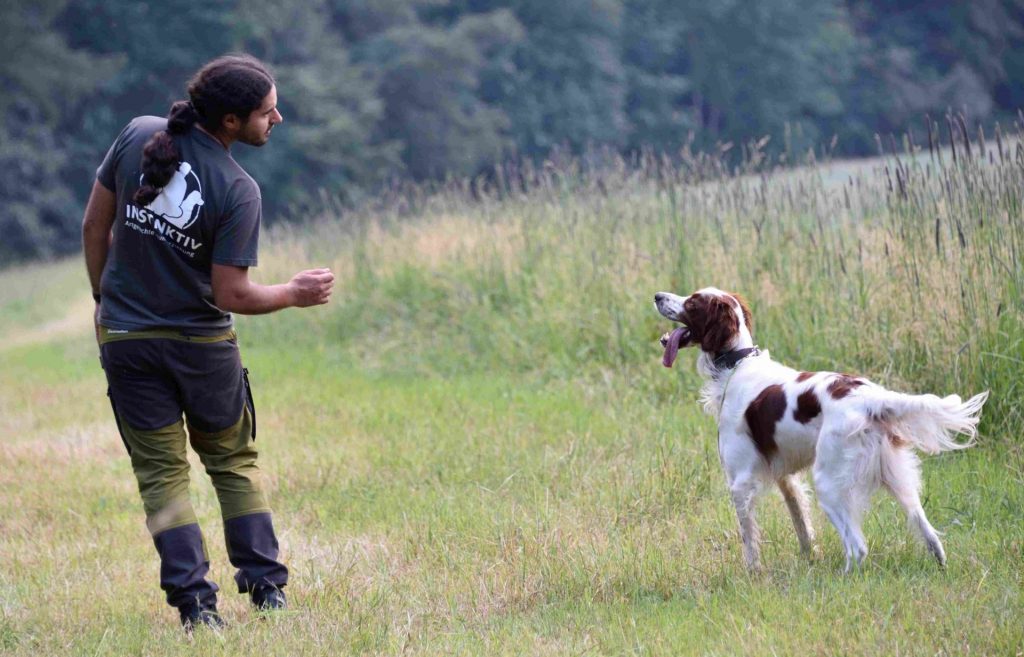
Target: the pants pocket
(249, 401)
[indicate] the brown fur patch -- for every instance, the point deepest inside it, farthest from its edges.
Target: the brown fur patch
(748, 319)
(842, 385)
(712, 321)
(762, 415)
(803, 376)
(807, 407)
(721, 327)
(898, 441)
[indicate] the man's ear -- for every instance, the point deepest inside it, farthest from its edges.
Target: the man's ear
(231, 123)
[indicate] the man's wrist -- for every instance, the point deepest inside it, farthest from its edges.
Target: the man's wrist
(291, 298)
(96, 297)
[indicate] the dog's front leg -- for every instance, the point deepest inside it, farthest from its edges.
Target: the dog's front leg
(744, 490)
(743, 465)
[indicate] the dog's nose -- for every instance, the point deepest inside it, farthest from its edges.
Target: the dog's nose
(658, 296)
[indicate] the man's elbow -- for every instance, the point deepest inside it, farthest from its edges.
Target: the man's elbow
(229, 300)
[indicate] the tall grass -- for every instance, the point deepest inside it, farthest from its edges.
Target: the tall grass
(908, 270)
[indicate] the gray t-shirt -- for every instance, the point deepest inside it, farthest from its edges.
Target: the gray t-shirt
(158, 269)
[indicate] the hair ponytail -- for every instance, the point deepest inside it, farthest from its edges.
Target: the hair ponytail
(181, 117)
(160, 157)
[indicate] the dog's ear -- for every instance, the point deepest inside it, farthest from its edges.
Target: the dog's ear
(747, 317)
(720, 325)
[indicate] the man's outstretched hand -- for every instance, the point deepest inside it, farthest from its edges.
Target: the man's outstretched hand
(311, 287)
(233, 292)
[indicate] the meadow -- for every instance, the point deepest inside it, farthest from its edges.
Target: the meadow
(474, 449)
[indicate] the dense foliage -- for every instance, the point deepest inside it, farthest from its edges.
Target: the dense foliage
(424, 89)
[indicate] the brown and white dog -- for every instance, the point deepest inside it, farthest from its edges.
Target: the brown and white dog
(774, 422)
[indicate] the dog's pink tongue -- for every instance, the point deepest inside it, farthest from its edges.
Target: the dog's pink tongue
(672, 348)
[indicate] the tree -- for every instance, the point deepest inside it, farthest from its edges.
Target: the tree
(657, 86)
(330, 104)
(565, 83)
(429, 82)
(930, 58)
(753, 67)
(44, 82)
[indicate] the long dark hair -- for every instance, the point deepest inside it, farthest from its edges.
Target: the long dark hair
(232, 84)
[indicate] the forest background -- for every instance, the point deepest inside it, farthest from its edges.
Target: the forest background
(393, 91)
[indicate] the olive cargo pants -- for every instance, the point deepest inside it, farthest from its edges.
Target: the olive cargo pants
(156, 377)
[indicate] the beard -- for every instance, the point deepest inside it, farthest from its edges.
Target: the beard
(253, 138)
(257, 141)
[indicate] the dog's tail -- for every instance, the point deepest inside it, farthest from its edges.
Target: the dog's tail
(929, 422)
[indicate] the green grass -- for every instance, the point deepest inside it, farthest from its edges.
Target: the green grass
(475, 450)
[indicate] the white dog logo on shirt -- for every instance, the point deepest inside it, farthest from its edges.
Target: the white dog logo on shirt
(179, 202)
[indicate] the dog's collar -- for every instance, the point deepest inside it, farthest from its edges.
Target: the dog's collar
(729, 359)
(728, 362)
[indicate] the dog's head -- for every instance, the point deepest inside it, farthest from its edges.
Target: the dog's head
(710, 318)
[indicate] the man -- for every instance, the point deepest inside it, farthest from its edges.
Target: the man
(169, 232)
